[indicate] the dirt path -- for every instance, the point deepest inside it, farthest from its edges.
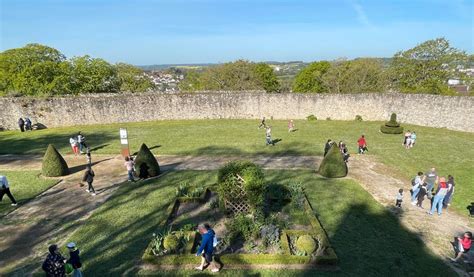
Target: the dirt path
(58, 211)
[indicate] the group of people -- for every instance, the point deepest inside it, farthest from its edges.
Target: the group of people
(268, 130)
(78, 144)
(25, 124)
(55, 265)
(410, 139)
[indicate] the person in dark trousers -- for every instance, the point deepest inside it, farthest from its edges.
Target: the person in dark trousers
(327, 147)
(399, 198)
(268, 136)
(89, 178)
(449, 196)
(5, 189)
(362, 143)
(28, 124)
(74, 259)
(88, 156)
(81, 140)
(207, 247)
(21, 124)
(53, 265)
(462, 245)
(421, 195)
(262, 124)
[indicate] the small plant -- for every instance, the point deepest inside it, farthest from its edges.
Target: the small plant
(297, 194)
(392, 126)
(358, 118)
(214, 204)
(311, 117)
(328, 119)
(182, 189)
(196, 192)
(270, 234)
(171, 242)
(243, 226)
(307, 244)
(249, 246)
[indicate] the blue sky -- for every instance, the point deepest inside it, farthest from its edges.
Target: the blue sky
(198, 31)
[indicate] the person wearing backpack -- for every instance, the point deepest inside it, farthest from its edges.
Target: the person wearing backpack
(89, 178)
(416, 186)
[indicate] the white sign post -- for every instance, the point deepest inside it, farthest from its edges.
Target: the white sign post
(124, 142)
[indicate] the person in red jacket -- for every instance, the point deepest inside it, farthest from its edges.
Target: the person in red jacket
(462, 245)
(362, 145)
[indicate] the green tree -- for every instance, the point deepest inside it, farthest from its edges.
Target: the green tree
(356, 76)
(426, 67)
(266, 77)
(93, 75)
(132, 78)
(310, 78)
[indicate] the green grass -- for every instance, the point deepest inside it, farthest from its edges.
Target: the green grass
(368, 240)
(450, 152)
(24, 185)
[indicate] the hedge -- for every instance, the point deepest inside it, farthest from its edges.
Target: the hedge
(392, 126)
(333, 165)
(146, 164)
(54, 164)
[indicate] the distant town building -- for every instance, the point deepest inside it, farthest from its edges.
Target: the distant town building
(165, 81)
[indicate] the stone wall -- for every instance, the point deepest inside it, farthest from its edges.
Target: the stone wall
(455, 113)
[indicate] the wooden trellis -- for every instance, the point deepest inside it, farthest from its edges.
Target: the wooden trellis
(238, 203)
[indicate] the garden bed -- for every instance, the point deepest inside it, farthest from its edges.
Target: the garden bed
(274, 244)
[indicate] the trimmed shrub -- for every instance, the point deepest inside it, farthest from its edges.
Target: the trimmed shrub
(392, 126)
(171, 243)
(311, 117)
(146, 164)
(358, 118)
(54, 164)
(333, 165)
(254, 184)
(306, 244)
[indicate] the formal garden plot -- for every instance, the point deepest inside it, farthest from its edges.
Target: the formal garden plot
(255, 223)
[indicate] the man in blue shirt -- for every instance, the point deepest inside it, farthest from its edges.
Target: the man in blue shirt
(207, 247)
(5, 189)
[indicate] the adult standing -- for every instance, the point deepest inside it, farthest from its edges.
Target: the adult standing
(129, 166)
(5, 189)
(206, 250)
(81, 140)
(362, 143)
(89, 178)
(327, 146)
(439, 197)
(53, 265)
(28, 124)
(430, 178)
(74, 259)
(416, 186)
(449, 195)
(21, 124)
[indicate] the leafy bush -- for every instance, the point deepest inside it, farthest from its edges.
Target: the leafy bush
(306, 244)
(146, 164)
(214, 203)
(297, 194)
(270, 234)
(54, 164)
(182, 189)
(333, 165)
(243, 226)
(392, 126)
(358, 118)
(328, 119)
(171, 242)
(231, 174)
(311, 117)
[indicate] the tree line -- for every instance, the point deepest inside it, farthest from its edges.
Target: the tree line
(41, 70)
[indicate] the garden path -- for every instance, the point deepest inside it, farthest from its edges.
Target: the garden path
(58, 211)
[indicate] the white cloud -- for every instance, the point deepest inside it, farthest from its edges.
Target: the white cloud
(361, 15)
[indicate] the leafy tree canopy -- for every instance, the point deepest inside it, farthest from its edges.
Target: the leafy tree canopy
(310, 78)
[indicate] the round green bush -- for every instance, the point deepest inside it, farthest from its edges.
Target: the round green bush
(171, 243)
(391, 130)
(54, 164)
(307, 244)
(333, 165)
(146, 163)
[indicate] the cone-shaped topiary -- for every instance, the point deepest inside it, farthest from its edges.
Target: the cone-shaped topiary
(54, 164)
(146, 164)
(307, 244)
(392, 127)
(333, 165)
(171, 243)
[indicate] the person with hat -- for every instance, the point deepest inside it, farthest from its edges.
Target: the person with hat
(74, 259)
(54, 263)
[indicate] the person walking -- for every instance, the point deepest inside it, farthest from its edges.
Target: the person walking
(21, 124)
(416, 186)
(262, 124)
(206, 249)
(431, 178)
(362, 143)
(421, 196)
(268, 136)
(5, 189)
(89, 178)
(439, 197)
(399, 201)
(54, 263)
(291, 126)
(74, 259)
(88, 156)
(129, 166)
(28, 124)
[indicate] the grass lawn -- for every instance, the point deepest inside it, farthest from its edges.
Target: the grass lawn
(367, 239)
(24, 185)
(450, 152)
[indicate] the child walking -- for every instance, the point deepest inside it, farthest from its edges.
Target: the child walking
(399, 198)
(89, 178)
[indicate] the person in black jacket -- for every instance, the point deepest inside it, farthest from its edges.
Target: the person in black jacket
(21, 124)
(54, 263)
(89, 178)
(74, 259)
(327, 147)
